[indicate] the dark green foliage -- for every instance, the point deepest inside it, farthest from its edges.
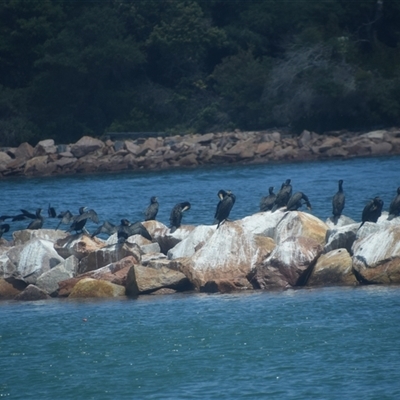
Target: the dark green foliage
(70, 68)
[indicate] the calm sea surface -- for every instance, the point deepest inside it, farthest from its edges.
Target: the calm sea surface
(322, 343)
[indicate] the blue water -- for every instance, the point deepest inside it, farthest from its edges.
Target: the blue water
(332, 343)
(336, 343)
(126, 195)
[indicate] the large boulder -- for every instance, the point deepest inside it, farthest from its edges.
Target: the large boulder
(193, 242)
(333, 269)
(109, 254)
(10, 287)
(338, 223)
(229, 255)
(33, 259)
(78, 245)
(89, 287)
(49, 280)
(376, 257)
(24, 236)
(32, 293)
(86, 145)
(263, 223)
(341, 237)
(289, 264)
(297, 223)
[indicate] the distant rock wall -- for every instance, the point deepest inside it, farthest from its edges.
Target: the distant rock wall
(156, 153)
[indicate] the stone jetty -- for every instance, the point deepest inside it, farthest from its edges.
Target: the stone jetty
(264, 251)
(89, 155)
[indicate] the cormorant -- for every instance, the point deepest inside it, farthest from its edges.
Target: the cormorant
(66, 218)
(37, 223)
(338, 201)
(151, 211)
(224, 207)
(3, 229)
(79, 221)
(177, 214)
(24, 215)
(394, 209)
(51, 211)
(127, 229)
(267, 202)
(106, 227)
(372, 211)
(295, 203)
(283, 195)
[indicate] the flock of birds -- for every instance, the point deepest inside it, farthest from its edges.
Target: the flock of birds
(283, 199)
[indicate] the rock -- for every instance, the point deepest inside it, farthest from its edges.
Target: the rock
(49, 280)
(5, 159)
(263, 223)
(89, 287)
(342, 237)
(328, 143)
(297, 223)
(380, 148)
(77, 245)
(10, 287)
(333, 269)
(24, 236)
(33, 259)
(150, 279)
(24, 151)
(342, 221)
(376, 257)
(289, 264)
(231, 253)
(304, 139)
(7, 267)
(32, 293)
(45, 147)
(86, 145)
(380, 135)
(109, 254)
(132, 147)
(193, 242)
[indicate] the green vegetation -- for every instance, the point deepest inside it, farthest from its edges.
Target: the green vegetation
(72, 68)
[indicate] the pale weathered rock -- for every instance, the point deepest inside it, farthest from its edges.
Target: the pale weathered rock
(33, 259)
(78, 245)
(45, 147)
(108, 255)
(24, 151)
(49, 280)
(150, 279)
(341, 221)
(297, 223)
(376, 257)
(24, 236)
(263, 223)
(86, 145)
(230, 254)
(5, 159)
(290, 263)
(342, 237)
(7, 267)
(32, 293)
(193, 242)
(333, 268)
(10, 287)
(89, 287)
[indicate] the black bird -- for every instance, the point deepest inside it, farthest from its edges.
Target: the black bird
(66, 218)
(127, 229)
(176, 215)
(267, 202)
(295, 202)
(24, 215)
(372, 211)
(394, 209)
(3, 229)
(37, 223)
(283, 195)
(224, 207)
(107, 227)
(79, 221)
(151, 211)
(51, 211)
(338, 201)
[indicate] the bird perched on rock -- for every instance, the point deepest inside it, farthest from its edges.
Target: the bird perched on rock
(394, 209)
(51, 211)
(372, 211)
(79, 222)
(176, 215)
(66, 218)
(107, 228)
(267, 202)
(295, 202)
(127, 229)
(283, 195)
(224, 207)
(37, 223)
(338, 202)
(4, 228)
(151, 211)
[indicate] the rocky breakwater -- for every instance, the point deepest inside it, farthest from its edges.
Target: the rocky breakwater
(265, 251)
(93, 155)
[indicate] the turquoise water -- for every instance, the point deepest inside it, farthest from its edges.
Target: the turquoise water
(299, 344)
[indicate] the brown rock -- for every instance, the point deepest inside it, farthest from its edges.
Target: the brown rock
(264, 148)
(86, 145)
(10, 287)
(333, 268)
(45, 147)
(78, 245)
(32, 293)
(24, 151)
(89, 287)
(383, 148)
